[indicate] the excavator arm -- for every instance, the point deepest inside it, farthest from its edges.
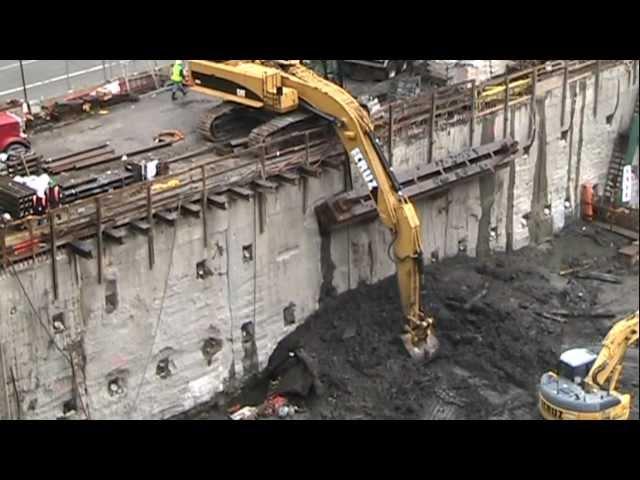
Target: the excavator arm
(607, 367)
(284, 86)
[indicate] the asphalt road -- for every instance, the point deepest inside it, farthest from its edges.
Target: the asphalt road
(50, 78)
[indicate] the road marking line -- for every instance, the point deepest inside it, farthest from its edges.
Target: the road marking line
(16, 65)
(57, 79)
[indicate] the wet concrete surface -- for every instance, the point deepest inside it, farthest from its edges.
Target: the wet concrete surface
(492, 352)
(129, 126)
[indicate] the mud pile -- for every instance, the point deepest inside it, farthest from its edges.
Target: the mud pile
(492, 349)
(497, 333)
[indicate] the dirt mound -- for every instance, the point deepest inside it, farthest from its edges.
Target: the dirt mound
(497, 329)
(494, 346)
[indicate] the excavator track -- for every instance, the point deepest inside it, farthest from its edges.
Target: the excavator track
(227, 122)
(283, 126)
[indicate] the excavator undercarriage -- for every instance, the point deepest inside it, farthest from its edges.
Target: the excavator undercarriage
(227, 124)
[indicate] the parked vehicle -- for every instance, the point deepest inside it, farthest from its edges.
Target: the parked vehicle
(13, 139)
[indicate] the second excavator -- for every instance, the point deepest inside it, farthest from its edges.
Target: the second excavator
(264, 98)
(584, 387)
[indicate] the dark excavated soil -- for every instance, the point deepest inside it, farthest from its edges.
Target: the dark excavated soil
(492, 352)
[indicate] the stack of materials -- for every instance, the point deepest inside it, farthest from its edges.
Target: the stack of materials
(82, 159)
(448, 72)
(27, 164)
(76, 186)
(16, 198)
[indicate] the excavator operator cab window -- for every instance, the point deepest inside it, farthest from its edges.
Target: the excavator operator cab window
(574, 365)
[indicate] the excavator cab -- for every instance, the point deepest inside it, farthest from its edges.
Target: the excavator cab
(575, 364)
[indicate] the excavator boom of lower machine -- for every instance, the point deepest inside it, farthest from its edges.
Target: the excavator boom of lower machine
(271, 94)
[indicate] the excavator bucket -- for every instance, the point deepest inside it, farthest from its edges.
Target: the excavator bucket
(420, 351)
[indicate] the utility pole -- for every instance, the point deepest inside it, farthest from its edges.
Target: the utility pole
(24, 87)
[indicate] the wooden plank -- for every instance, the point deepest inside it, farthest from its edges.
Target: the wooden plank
(141, 226)
(309, 171)
(116, 234)
(167, 216)
(288, 177)
(630, 234)
(218, 201)
(630, 253)
(265, 185)
(242, 192)
(333, 163)
(192, 209)
(81, 248)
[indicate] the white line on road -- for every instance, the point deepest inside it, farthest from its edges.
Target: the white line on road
(57, 79)
(16, 65)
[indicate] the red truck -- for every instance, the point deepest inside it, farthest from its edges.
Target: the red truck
(12, 136)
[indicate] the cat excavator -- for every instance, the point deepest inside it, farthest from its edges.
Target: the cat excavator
(584, 385)
(269, 98)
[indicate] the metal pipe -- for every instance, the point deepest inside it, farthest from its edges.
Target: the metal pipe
(24, 87)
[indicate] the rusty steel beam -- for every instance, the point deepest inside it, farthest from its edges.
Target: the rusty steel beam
(77, 153)
(429, 179)
(565, 85)
(31, 242)
(390, 136)
(505, 116)
(99, 237)
(432, 125)
(596, 89)
(54, 264)
(472, 121)
(152, 253)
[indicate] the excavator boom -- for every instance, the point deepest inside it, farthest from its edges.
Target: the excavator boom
(283, 86)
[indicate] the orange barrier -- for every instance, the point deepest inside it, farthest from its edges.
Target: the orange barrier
(587, 201)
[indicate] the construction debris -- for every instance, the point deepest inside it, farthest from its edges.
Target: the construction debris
(245, 413)
(602, 277)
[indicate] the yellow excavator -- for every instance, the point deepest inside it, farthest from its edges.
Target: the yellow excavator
(270, 97)
(584, 385)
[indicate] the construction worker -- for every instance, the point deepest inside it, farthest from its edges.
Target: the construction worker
(177, 79)
(54, 193)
